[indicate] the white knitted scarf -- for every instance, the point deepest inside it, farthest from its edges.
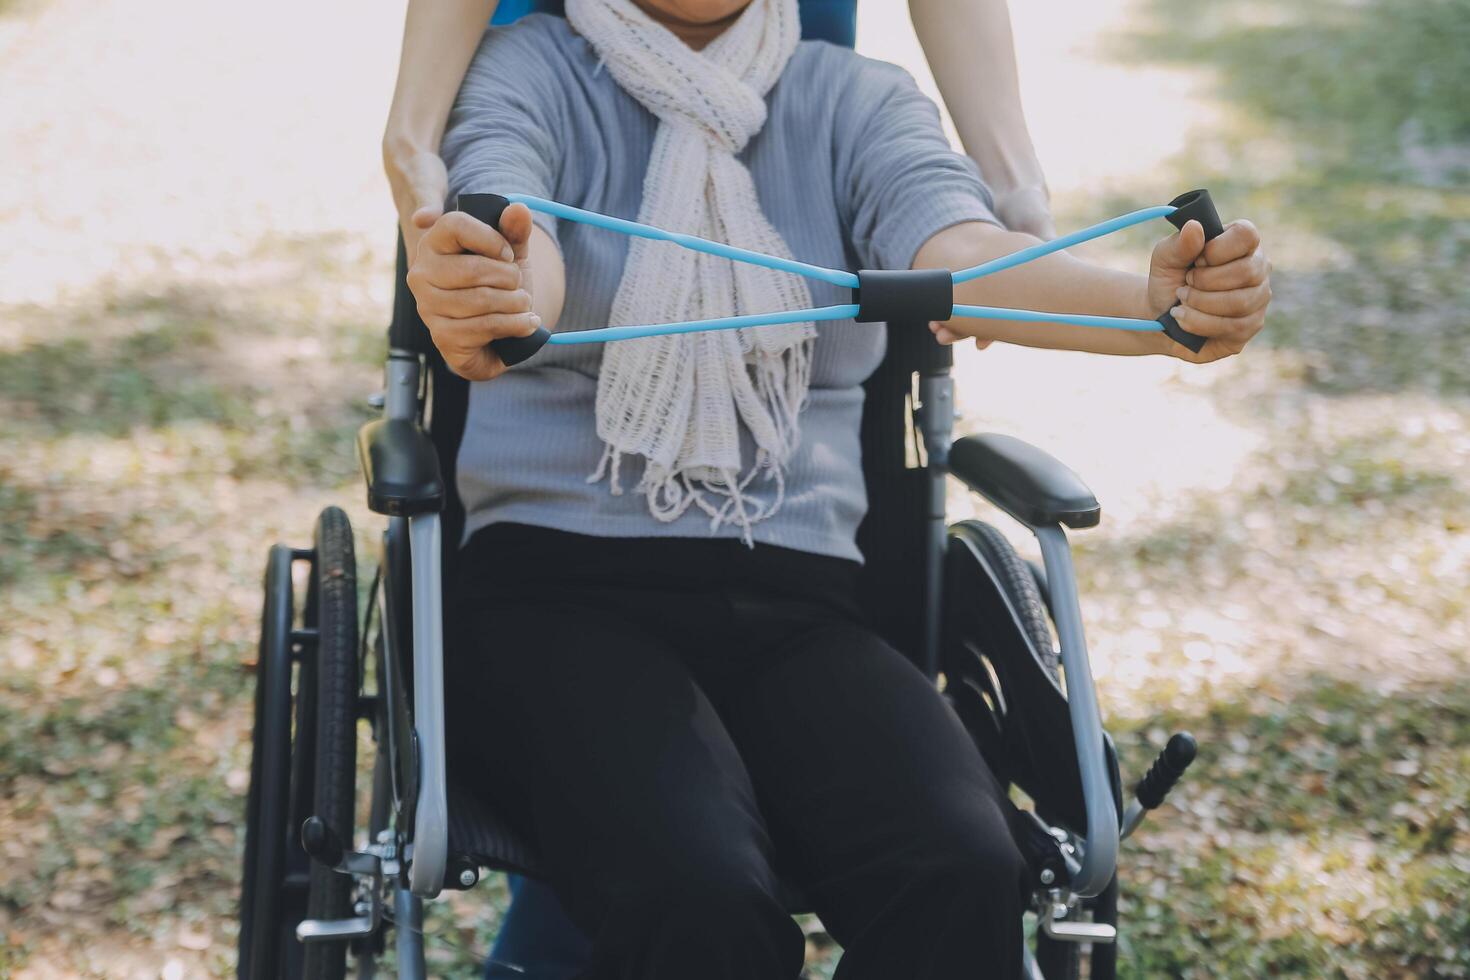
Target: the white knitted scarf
(679, 401)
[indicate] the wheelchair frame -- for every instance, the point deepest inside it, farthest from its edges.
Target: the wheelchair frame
(407, 857)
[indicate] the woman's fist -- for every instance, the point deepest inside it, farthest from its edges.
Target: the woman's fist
(1218, 289)
(473, 285)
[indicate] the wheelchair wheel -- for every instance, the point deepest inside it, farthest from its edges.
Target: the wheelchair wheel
(264, 930)
(1057, 960)
(331, 606)
(1020, 586)
(303, 765)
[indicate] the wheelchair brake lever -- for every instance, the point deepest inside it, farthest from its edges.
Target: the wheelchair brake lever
(320, 842)
(1161, 777)
(367, 868)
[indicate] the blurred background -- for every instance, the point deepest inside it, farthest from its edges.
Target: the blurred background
(195, 254)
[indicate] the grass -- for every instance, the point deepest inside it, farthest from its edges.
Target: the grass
(154, 442)
(1348, 127)
(1323, 831)
(1309, 624)
(1324, 834)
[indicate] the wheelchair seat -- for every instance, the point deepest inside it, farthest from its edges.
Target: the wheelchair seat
(479, 836)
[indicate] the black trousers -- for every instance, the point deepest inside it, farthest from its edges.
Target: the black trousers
(678, 724)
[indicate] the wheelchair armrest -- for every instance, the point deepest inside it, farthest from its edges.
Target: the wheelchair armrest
(1030, 485)
(401, 468)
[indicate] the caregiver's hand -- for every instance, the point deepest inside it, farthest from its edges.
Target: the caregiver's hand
(420, 185)
(1218, 290)
(1025, 209)
(473, 285)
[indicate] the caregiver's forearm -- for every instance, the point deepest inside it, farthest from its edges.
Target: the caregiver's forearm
(1057, 283)
(971, 49)
(439, 38)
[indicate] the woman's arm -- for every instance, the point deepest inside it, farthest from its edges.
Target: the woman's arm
(439, 38)
(1224, 298)
(972, 52)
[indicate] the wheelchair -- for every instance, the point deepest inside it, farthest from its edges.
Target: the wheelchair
(330, 877)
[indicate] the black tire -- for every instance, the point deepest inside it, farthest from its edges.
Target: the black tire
(1020, 585)
(263, 896)
(1058, 960)
(332, 609)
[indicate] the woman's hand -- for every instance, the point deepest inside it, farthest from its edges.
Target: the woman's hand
(473, 285)
(1219, 290)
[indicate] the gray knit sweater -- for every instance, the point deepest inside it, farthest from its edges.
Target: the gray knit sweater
(852, 168)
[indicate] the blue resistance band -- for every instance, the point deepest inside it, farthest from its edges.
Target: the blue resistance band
(934, 288)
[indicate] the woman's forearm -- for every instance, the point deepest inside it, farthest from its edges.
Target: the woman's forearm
(971, 49)
(439, 38)
(1057, 283)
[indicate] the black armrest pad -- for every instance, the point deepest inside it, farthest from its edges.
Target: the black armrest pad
(1030, 485)
(401, 468)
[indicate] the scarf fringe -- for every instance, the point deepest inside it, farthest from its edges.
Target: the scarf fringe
(680, 401)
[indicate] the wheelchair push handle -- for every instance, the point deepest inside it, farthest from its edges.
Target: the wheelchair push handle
(488, 208)
(1191, 206)
(1166, 770)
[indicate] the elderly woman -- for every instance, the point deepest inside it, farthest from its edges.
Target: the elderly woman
(658, 589)
(970, 48)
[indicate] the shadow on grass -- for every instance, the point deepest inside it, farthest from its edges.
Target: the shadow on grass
(1350, 123)
(111, 362)
(147, 379)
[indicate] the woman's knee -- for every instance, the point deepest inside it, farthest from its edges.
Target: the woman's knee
(735, 921)
(980, 858)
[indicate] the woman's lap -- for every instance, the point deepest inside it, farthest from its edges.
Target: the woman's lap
(665, 744)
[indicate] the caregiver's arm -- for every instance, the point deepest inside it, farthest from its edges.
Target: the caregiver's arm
(439, 38)
(971, 49)
(1223, 299)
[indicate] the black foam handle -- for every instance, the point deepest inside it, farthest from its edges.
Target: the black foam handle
(904, 295)
(1198, 206)
(1166, 770)
(488, 208)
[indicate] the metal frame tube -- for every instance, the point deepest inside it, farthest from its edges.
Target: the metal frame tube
(408, 921)
(1100, 856)
(431, 815)
(401, 392)
(936, 426)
